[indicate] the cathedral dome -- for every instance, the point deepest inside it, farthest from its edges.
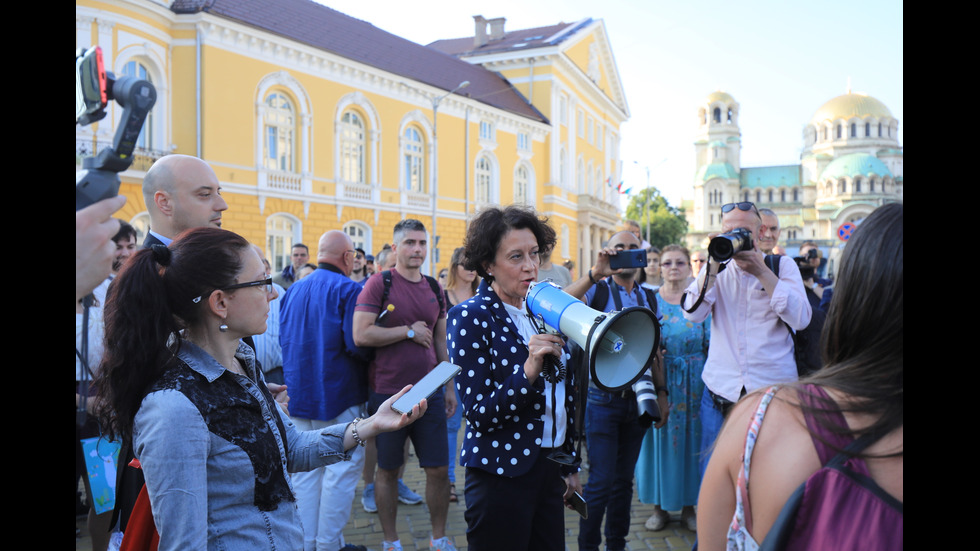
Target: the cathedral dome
(855, 164)
(850, 105)
(720, 96)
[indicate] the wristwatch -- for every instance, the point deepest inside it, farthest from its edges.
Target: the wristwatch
(410, 334)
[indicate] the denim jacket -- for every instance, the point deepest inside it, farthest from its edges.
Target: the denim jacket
(215, 449)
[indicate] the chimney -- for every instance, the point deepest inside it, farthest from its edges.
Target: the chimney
(497, 28)
(481, 31)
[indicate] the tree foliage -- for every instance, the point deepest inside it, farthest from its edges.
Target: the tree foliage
(667, 224)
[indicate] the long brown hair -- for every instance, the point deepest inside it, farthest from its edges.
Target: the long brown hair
(862, 341)
(459, 255)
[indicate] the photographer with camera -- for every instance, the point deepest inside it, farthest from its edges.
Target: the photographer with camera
(615, 422)
(748, 303)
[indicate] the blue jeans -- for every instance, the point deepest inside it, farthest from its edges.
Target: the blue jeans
(452, 429)
(614, 437)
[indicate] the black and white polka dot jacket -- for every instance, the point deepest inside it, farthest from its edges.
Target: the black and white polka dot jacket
(502, 408)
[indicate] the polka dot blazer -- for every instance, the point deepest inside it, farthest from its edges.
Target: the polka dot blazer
(502, 408)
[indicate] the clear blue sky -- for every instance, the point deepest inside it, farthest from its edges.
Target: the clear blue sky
(781, 60)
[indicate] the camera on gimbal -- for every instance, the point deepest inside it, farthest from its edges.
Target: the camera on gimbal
(723, 247)
(94, 89)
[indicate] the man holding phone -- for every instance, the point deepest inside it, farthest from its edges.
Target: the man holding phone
(612, 428)
(408, 344)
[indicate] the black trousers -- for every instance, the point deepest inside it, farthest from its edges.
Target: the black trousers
(520, 513)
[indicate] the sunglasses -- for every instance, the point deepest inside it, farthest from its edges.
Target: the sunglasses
(744, 205)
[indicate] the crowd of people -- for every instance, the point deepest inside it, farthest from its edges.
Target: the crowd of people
(250, 404)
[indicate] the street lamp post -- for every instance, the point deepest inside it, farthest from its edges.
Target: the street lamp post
(435, 171)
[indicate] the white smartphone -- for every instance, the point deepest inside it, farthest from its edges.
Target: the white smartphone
(439, 376)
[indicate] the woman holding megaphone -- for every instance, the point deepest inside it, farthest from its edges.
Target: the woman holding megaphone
(517, 448)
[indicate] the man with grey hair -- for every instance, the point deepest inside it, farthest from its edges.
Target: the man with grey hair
(769, 233)
(181, 192)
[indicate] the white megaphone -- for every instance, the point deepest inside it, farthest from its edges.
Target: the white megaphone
(619, 345)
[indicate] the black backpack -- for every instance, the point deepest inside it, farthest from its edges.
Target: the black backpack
(806, 342)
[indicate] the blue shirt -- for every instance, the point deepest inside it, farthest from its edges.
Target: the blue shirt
(267, 349)
(323, 368)
(215, 448)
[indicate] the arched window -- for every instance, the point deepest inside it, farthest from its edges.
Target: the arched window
(840, 131)
(745, 196)
(854, 130)
(360, 234)
(758, 196)
(871, 184)
(857, 185)
(782, 196)
(717, 114)
(280, 130)
(413, 151)
(796, 195)
(730, 114)
(580, 175)
(138, 70)
(879, 129)
(825, 133)
(523, 179)
(867, 129)
(562, 167)
(352, 147)
(484, 179)
(842, 186)
(281, 231)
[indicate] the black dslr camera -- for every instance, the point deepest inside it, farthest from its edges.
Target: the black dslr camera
(723, 247)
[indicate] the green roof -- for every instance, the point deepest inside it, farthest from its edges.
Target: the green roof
(770, 176)
(855, 164)
(716, 170)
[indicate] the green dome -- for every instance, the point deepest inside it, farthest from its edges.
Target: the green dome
(855, 164)
(716, 170)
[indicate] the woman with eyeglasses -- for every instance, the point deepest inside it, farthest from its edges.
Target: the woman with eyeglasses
(178, 384)
(667, 472)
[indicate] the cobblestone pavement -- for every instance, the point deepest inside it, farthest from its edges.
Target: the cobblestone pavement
(413, 522)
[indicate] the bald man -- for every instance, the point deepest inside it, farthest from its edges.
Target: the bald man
(327, 380)
(181, 192)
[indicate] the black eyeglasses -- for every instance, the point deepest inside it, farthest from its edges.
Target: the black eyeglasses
(744, 205)
(267, 282)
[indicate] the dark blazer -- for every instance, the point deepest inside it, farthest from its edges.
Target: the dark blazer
(502, 408)
(151, 240)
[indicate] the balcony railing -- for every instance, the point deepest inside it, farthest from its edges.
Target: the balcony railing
(142, 158)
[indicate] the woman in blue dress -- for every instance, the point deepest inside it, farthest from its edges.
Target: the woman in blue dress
(667, 472)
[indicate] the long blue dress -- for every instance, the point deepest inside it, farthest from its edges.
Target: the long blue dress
(667, 472)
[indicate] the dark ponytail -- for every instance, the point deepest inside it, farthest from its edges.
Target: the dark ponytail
(151, 300)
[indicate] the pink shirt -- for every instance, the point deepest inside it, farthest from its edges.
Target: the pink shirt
(750, 346)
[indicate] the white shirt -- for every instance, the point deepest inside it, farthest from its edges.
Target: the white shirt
(527, 330)
(750, 345)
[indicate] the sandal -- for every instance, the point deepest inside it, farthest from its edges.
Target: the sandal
(453, 498)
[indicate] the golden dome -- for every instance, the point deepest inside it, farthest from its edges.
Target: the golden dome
(850, 105)
(720, 96)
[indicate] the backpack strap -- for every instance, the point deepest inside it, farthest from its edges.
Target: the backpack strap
(601, 296)
(386, 279)
(437, 291)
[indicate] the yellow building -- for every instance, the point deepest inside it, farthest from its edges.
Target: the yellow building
(314, 120)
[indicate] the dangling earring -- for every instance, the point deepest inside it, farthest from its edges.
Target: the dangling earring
(223, 327)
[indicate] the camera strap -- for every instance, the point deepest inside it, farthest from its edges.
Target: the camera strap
(704, 289)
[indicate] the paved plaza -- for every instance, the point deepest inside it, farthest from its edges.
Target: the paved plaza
(413, 522)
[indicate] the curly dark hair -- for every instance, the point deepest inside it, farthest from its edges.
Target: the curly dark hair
(489, 227)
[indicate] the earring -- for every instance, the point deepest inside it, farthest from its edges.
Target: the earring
(223, 327)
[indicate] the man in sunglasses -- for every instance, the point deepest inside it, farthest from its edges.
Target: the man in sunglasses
(750, 307)
(327, 379)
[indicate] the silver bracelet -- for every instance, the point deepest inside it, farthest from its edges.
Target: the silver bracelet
(353, 431)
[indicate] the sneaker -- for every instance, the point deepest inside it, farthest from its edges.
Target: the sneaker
(442, 544)
(367, 499)
(391, 546)
(406, 496)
